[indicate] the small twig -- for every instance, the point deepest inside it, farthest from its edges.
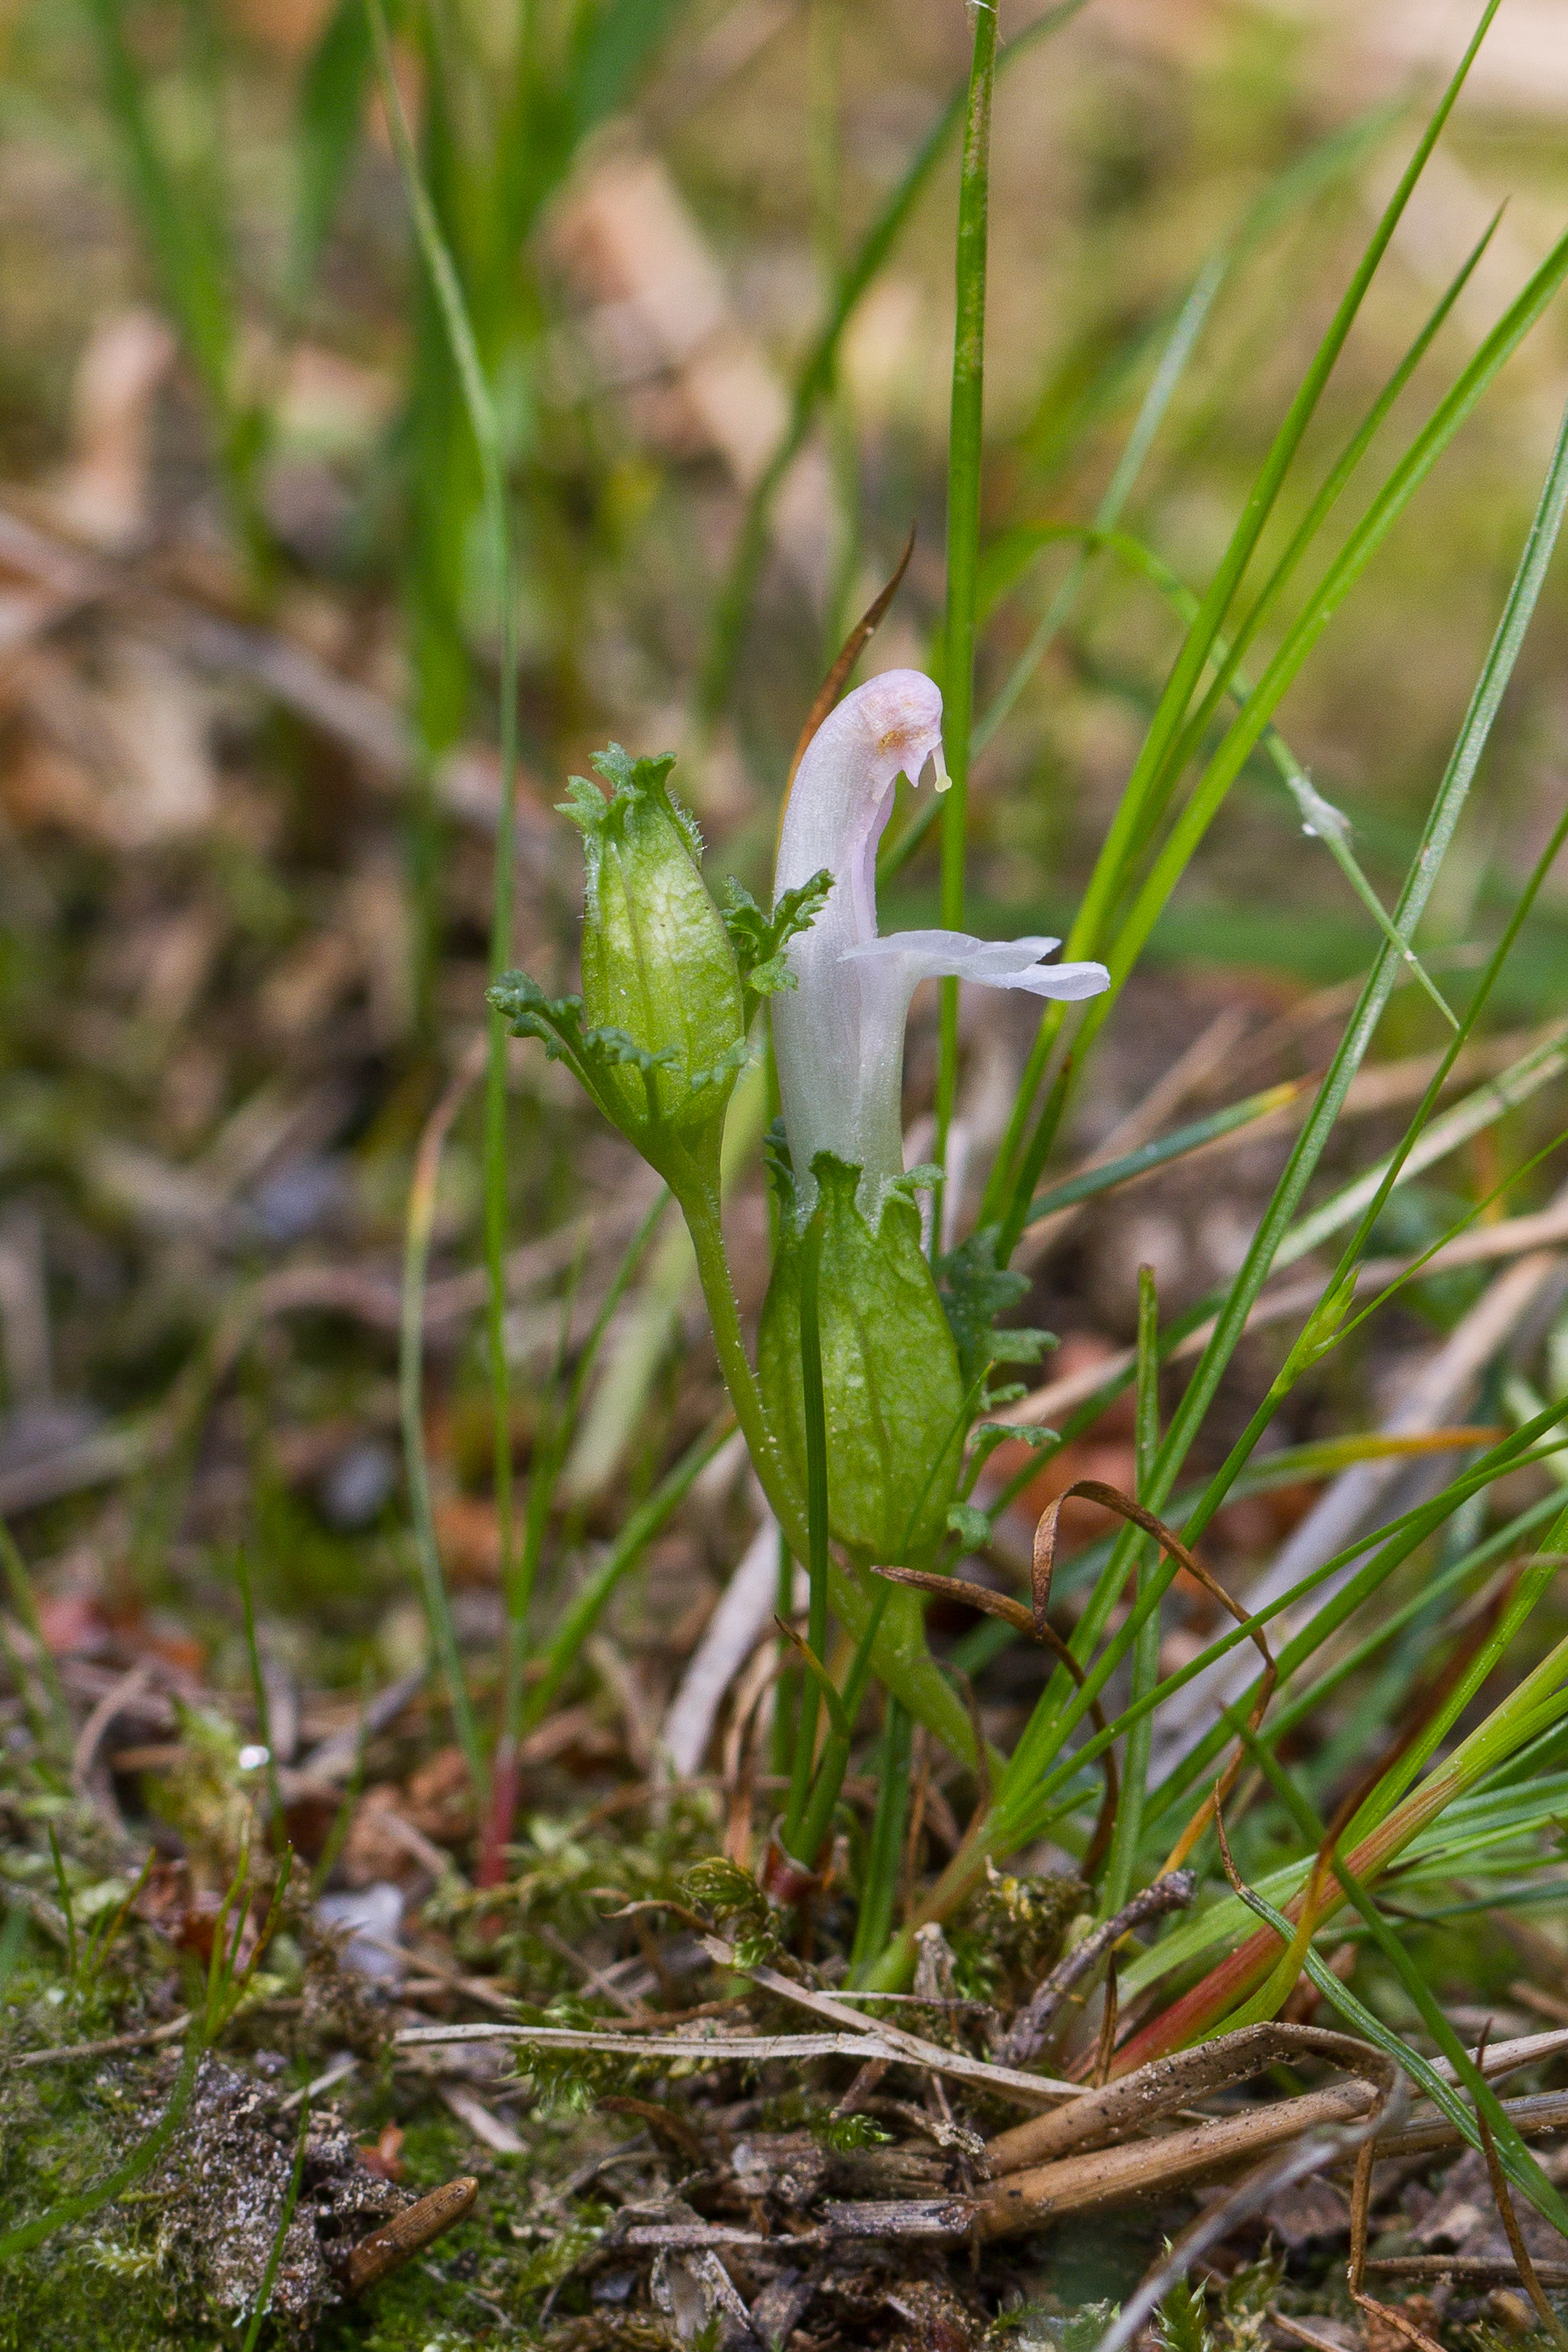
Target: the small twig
(591, 1975)
(71, 2049)
(130, 1686)
(338, 2072)
(1301, 2333)
(1486, 2270)
(1361, 2209)
(1400, 2321)
(1250, 2194)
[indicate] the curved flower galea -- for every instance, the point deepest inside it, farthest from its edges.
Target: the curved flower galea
(899, 1385)
(838, 1036)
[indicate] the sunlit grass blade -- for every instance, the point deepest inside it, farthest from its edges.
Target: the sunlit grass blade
(1264, 1250)
(1320, 818)
(1371, 529)
(1091, 928)
(1227, 656)
(1041, 1768)
(1122, 1863)
(966, 452)
(1286, 1715)
(1539, 1700)
(1520, 2164)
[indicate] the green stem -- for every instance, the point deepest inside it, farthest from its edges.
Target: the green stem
(963, 478)
(879, 1887)
(699, 1206)
(411, 1412)
(485, 429)
(591, 1602)
(274, 2256)
(24, 1601)
(1121, 1865)
(814, 1417)
(835, 1751)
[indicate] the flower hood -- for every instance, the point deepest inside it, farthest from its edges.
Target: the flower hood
(839, 1035)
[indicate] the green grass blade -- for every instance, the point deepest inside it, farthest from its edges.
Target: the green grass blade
(1518, 2161)
(615, 44)
(884, 1854)
(484, 426)
(816, 376)
(24, 1601)
(1265, 1250)
(1182, 1140)
(965, 450)
(565, 1645)
(1284, 1717)
(1320, 817)
(1144, 785)
(1121, 1862)
(328, 124)
(1353, 559)
(187, 248)
(1327, 497)
(1303, 180)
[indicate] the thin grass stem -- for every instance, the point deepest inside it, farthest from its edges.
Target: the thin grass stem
(485, 428)
(419, 1224)
(258, 1693)
(814, 1422)
(964, 467)
(1122, 1860)
(1145, 784)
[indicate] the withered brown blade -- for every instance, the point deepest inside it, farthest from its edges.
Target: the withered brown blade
(974, 1596)
(1112, 1499)
(848, 654)
(407, 2234)
(1037, 1629)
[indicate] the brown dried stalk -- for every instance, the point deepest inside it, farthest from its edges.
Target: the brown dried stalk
(848, 654)
(1028, 2030)
(1080, 2181)
(1517, 2247)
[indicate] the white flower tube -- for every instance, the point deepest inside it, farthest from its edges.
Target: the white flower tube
(839, 1035)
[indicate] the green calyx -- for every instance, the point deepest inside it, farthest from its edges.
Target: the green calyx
(661, 1033)
(896, 1403)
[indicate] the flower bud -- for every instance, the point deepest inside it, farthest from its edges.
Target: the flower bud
(891, 1384)
(660, 984)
